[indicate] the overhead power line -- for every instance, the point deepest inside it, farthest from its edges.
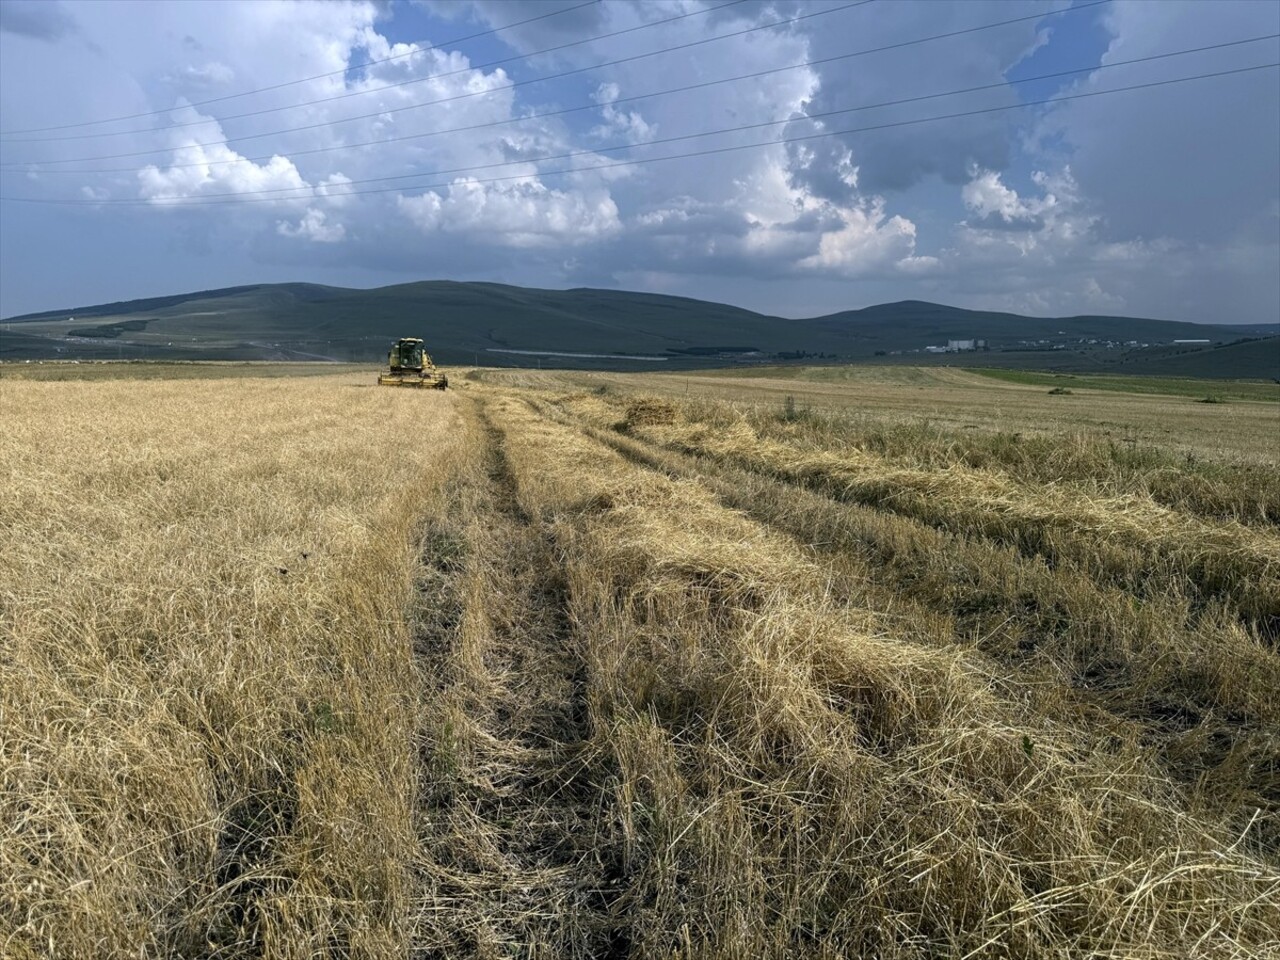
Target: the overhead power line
(520, 83)
(254, 196)
(587, 153)
(293, 83)
(681, 89)
(461, 70)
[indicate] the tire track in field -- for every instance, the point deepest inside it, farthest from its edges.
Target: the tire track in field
(1029, 632)
(515, 863)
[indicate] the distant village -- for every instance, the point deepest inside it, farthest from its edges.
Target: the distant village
(971, 345)
(958, 346)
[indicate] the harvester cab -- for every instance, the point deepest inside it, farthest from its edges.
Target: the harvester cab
(410, 365)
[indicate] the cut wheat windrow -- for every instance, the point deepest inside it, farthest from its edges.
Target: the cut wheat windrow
(802, 781)
(1126, 539)
(1195, 686)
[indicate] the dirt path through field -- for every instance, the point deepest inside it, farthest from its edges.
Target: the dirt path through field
(513, 854)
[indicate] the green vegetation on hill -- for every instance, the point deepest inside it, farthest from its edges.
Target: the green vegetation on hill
(1176, 386)
(110, 331)
(1258, 357)
(497, 324)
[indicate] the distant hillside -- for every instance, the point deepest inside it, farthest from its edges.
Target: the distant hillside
(1258, 358)
(1258, 329)
(942, 323)
(497, 324)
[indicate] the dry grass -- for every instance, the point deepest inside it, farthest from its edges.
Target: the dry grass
(204, 710)
(1198, 685)
(648, 412)
(1125, 537)
(79, 371)
(311, 669)
(514, 859)
(791, 781)
(1097, 463)
(959, 401)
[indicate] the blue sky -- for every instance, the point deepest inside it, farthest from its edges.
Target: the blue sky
(1161, 202)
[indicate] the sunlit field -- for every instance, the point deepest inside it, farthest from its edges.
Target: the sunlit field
(908, 664)
(208, 712)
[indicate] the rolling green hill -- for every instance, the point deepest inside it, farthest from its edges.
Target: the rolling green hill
(496, 324)
(941, 323)
(1248, 358)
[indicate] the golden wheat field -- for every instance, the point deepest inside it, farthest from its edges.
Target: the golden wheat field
(906, 665)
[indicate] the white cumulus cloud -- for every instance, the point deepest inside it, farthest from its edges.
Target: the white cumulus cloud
(203, 164)
(523, 213)
(627, 124)
(313, 226)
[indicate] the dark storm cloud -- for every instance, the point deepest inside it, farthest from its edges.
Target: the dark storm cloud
(1196, 161)
(994, 221)
(821, 220)
(897, 159)
(39, 19)
(823, 167)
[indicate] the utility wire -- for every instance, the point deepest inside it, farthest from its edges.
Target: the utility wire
(253, 196)
(663, 93)
(625, 146)
(558, 76)
(452, 73)
(292, 83)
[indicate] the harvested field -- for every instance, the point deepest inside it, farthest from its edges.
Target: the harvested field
(560, 665)
(1178, 428)
(204, 711)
